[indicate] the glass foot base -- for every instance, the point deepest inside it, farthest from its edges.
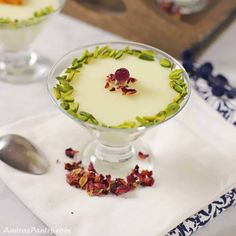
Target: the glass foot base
(117, 169)
(26, 68)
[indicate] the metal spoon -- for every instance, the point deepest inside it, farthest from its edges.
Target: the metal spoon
(19, 153)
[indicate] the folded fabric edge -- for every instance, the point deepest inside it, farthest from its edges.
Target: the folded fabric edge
(200, 219)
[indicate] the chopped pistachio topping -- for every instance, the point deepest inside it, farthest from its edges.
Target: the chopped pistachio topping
(165, 62)
(63, 91)
(34, 19)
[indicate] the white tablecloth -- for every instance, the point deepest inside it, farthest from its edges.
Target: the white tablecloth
(15, 103)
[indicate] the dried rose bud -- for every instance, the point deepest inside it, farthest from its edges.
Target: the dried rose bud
(71, 152)
(122, 75)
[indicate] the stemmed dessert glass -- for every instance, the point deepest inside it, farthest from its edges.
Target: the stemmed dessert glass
(18, 63)
(113, 150)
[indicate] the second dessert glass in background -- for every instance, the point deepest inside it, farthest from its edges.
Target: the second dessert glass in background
(18, 63)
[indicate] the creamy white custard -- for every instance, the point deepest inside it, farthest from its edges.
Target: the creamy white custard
(25, 11)
(112, 108)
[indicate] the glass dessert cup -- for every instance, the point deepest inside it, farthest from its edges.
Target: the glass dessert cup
(18, 63)
(114, 150)
(191, 6)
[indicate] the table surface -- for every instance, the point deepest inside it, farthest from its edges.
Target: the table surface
(21, 101)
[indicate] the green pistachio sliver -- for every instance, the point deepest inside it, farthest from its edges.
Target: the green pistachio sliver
(141, 121)
(127, 49)
(178, 88)
(119, 54)
(64, 86)
(165, 62)
(57, 93)
(95, 54)
(130, 124)
(104, 49)
(74, 114)
(135, 52)
(74, 106)
(126, 125)
(179, 98)
(90, 116)
(59, 78)
(172, 108)
(83, 56)
(147, 56)
(77, 66)
(65, 105)
(69, 70)
(149, 118)
(180, 82)
(175, 74)
(88, 60)
(81, 117)
(68, 93)
(93, 121)
(160, 116)
(75, 62)
(71, 76)
(68, 98)
(64, 89)
(112, 53)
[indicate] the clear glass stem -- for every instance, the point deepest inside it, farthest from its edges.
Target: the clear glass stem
(16, 62)
(22, 66)
(114, 154)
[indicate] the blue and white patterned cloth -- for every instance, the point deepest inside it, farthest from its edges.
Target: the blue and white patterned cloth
(225, 106)
(215, 89)
(195, 222)
(219, 94)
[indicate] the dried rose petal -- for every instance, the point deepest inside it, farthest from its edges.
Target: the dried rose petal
(83, 180)
(122, 189)
(71, 152)
(97, 184)
(143, 156)
(107, 85)
(91, 167)
(112, 89)
(72, 166)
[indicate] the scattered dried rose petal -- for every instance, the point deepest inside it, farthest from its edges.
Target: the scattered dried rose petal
(73, 166)
(91, 167)
(143, 156)
(71, 152)
(97, 184)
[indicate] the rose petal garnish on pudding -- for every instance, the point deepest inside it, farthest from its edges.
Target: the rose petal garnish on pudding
(120, 81)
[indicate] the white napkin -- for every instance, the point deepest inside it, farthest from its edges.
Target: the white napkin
(195, 164)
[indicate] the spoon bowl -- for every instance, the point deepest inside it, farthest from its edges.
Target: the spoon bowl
(19, 153)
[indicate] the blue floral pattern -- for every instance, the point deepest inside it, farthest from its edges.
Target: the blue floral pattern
(215, 89)
(225, 106)
(195, 222)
